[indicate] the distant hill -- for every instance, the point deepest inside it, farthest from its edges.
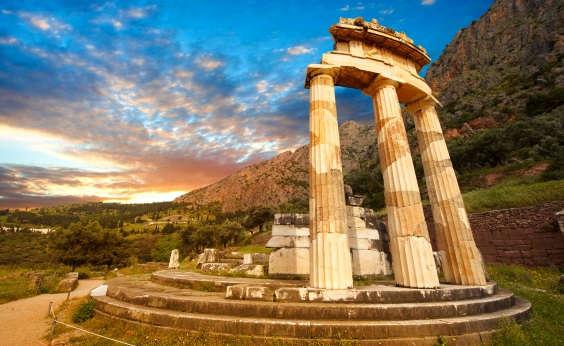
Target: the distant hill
(284, 178)
(501, 81)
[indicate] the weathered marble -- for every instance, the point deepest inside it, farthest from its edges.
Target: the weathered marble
(174, 262)
(329, 256)
(410, 246)
(462, 262)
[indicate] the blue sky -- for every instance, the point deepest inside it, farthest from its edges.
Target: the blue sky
(139, 101)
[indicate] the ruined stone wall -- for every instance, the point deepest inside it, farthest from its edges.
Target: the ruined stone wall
(528, 235)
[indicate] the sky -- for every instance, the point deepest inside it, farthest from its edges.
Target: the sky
(142, 101)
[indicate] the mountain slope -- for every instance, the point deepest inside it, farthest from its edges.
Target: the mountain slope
(283, 178)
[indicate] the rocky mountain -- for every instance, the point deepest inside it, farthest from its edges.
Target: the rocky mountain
(505, 65)
(283, 178)
(501, 81)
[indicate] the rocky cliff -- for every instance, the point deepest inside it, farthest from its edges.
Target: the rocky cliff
(505, 65)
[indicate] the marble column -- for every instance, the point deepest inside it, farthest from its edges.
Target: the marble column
(462, 261)
(412, 256)
(330, 259)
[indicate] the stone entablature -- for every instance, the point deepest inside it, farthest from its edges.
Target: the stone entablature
(359, 36)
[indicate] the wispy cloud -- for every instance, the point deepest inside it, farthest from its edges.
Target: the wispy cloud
(428, 2)
(299, 50)
(387, 11)
(359, 6)
(45, 23)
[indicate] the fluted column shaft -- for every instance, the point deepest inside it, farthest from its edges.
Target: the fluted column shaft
(462, 261)
(330, 259)
(410, 247)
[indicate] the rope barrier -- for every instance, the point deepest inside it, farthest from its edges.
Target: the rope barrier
(55, 321)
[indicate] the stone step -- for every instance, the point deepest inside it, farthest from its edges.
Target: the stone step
(153, 295)
(213, 283)
(302, 328)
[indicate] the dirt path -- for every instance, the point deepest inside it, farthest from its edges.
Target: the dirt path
(25, 322)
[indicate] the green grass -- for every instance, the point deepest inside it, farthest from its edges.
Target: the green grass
(17, 283)
(513, 194)
(254, 249)
(540, 286)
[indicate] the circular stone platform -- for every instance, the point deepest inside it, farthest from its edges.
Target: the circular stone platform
(379, 314)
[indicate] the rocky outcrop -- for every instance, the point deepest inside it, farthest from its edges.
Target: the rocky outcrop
(494, 66)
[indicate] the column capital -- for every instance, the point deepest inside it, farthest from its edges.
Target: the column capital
(419, 104)
(379, 83)
(315, 70)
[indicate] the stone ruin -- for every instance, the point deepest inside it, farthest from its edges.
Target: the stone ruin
(217, 261)
(338, 241)
(367, 236)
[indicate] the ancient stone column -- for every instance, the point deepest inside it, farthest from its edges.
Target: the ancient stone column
(330, 259)
(412, 256)
(462, 261)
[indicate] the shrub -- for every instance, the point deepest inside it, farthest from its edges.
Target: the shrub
(84, 312)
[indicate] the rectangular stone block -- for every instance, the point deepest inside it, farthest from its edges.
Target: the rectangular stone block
(291, 219)
(289, 261)
(280, 242)
(370, 262)
(365, 233)
(290, 230)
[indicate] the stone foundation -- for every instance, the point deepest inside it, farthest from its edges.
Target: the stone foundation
(367, 238)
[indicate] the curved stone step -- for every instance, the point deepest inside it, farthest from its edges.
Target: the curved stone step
(301, 328)
(293, 291)
(154, 295)
(213, 283)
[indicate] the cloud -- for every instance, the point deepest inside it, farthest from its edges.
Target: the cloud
(358, 7)
(208, 63)
(261, 86)
(139, 12)
(299, 50)
(386, 12)
(428, 2)
(8, 40)
(45, 23)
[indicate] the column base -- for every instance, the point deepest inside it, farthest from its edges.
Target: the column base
(413, 264)
(330, 266)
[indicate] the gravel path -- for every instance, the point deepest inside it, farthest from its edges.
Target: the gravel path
(24, 321)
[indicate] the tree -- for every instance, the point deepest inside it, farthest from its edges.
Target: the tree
(81, 244)
(230, 233)
(168, 228)
(258, 218)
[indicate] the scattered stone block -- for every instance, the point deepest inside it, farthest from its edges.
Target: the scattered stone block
(216, 267)
(69, 283)
(99, 291)
(208, 256)
(256, 270)
(174, 263)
